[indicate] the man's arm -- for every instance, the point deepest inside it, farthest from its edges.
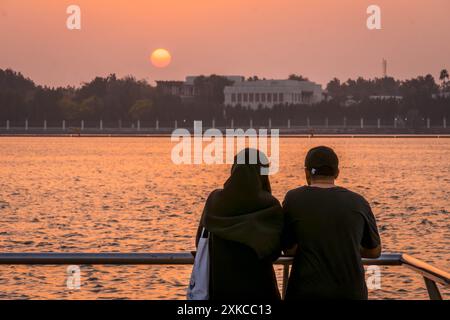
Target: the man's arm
(288, 241)
(371, 242)
(371, 253)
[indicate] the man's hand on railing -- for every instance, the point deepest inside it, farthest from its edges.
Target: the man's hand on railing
(374, 253)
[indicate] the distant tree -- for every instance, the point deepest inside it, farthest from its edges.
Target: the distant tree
(10, 79)
(91, 108)
(334, 89)
(297, 77)
(16, 95)
(96, 87)
(210, 89)
(69, 109)
(115, 96)
(43, 104)
(444, 76)
(142, 110)
(420, 87)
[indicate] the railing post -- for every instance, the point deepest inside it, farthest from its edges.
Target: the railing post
(64, 125)
(379, 123)
(251, 123)
(101, 124)
(139, 125)
(270, 123)
(7, 124)
(289, 123)
(176, 124)
(395, 122)
(82, 125)
(433, 291)
(45, 125)
(213, 123)
(444, 123)
(428, 123)
(26, 125)
(362, 123)
(157, 124)
(232, 124)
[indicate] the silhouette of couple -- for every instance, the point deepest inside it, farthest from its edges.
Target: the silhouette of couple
(327, 228)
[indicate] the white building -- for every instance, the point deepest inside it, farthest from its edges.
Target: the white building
(186, 89)
(268, 93)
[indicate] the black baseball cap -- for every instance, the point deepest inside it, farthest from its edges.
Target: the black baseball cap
(322, 161)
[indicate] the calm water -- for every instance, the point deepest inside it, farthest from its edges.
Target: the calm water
(125, 195)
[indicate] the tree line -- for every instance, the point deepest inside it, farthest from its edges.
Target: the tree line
(128, 99)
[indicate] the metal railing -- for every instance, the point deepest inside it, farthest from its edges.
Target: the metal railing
(432, 276)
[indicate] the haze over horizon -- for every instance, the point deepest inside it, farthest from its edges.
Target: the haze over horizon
(319, 39)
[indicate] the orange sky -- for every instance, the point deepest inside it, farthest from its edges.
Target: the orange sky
(320, 39)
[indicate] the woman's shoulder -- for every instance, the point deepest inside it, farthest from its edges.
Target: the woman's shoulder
(214, 196)
(214, 193)
(269, 201)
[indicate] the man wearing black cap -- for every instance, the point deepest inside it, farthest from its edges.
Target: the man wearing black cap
(329, 229)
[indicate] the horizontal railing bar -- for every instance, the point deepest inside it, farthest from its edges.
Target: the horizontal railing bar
(140, 258)
(96, 258)
(386, 259)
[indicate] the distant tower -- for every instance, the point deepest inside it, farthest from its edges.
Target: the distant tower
(384, 66)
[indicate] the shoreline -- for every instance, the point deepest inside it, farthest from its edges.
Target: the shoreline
(284, 132)
(167, 135)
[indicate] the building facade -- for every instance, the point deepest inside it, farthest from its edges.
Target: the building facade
(186, 89)
(268, 93)
(175, 88)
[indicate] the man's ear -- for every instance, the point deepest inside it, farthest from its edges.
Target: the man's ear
(337, 174)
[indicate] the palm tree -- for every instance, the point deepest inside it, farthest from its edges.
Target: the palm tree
(444, 78)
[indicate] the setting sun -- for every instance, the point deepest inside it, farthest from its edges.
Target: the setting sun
(161, 58)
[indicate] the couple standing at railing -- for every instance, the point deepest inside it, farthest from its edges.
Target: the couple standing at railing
(244, 229)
